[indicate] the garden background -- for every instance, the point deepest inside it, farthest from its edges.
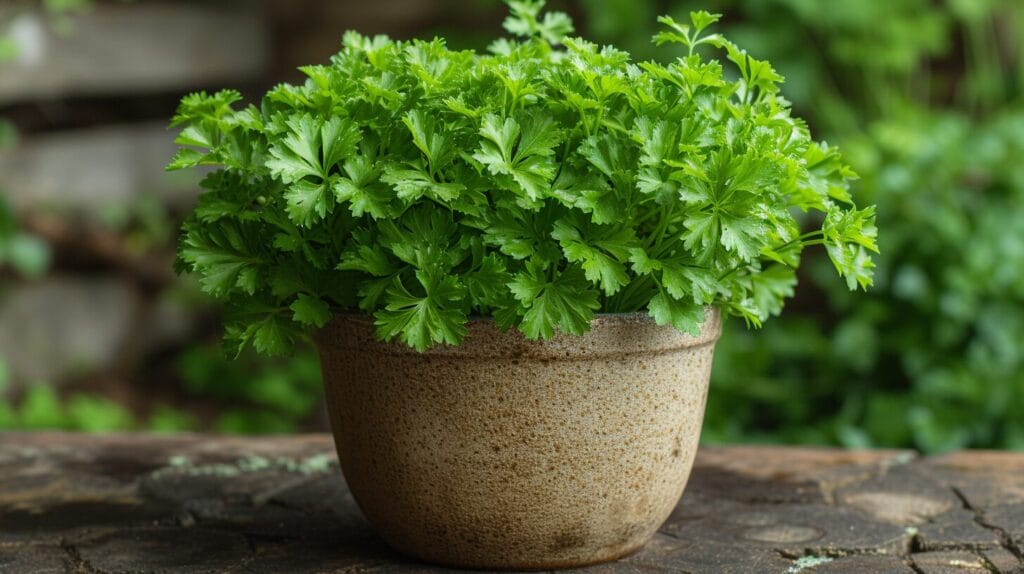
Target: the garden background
(923, 96)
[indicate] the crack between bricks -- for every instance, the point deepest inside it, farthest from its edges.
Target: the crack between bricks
(979, 517)
(824, 551)
(988, 564)
(916, 546)
(977, 548)
(838, 552)
(833, 552)
(80, 564)
(910, 564)
(977, 552)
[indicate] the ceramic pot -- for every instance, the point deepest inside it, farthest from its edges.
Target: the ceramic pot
(505, 453)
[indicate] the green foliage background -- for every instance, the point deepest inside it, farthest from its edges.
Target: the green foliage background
(924, 99)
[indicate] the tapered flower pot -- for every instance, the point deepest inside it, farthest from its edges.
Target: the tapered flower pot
(514, 454)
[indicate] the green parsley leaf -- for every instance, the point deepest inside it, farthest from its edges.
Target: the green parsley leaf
(601, 254)
(684, 316)
(412, 184)
(849, 237)
(566, 302)
(488, 285)
(525, 154)
(422, 321)
(525, 21)
(435, 145)
(362, 189)
(682, 280)
(366, 256)
(311, 311)
(223, 257)
(271, 337)
(304, 159)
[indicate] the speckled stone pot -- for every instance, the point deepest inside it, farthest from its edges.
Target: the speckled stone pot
(514, 454)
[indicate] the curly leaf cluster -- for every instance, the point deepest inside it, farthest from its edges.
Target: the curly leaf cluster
(539, 183)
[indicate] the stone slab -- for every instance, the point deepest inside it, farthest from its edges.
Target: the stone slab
(203, 503)
(141, 47)
(62, 326)
(89, 171)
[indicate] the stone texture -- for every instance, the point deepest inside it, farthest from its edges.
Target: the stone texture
(677, 554)
(31, 559)
(1002, 560)
(902, 495)
(63, 326)
(197, 551)
(949, 562)
(1006, 518)
(982, 478)
(85, 171)
(137, 504)
(956, 529)
(142, 47)
(862, 564)
(794, 529)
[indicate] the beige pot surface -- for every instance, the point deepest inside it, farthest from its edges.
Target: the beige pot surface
(516, 454)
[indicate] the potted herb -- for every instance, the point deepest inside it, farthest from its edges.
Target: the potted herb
(513, 265)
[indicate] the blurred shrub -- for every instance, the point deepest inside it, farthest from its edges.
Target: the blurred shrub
(22, 252)
(167, 420)
(251, 395)
(933, 356)
(40, 408)
(256, 399)
(924, 98)
(258, 394)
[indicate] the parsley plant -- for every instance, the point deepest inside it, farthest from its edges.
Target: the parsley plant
(539, 183)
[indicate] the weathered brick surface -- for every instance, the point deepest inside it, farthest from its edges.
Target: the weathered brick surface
(55, 327)
(93, 170)
(193, 503)
(147, 47)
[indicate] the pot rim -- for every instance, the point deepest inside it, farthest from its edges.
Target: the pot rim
(611, 334)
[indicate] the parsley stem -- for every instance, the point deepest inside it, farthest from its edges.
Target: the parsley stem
(802, 240)
(659, 233)
(632, 297)
(650, 213)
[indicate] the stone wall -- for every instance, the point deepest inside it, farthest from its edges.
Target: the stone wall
(91, 97)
